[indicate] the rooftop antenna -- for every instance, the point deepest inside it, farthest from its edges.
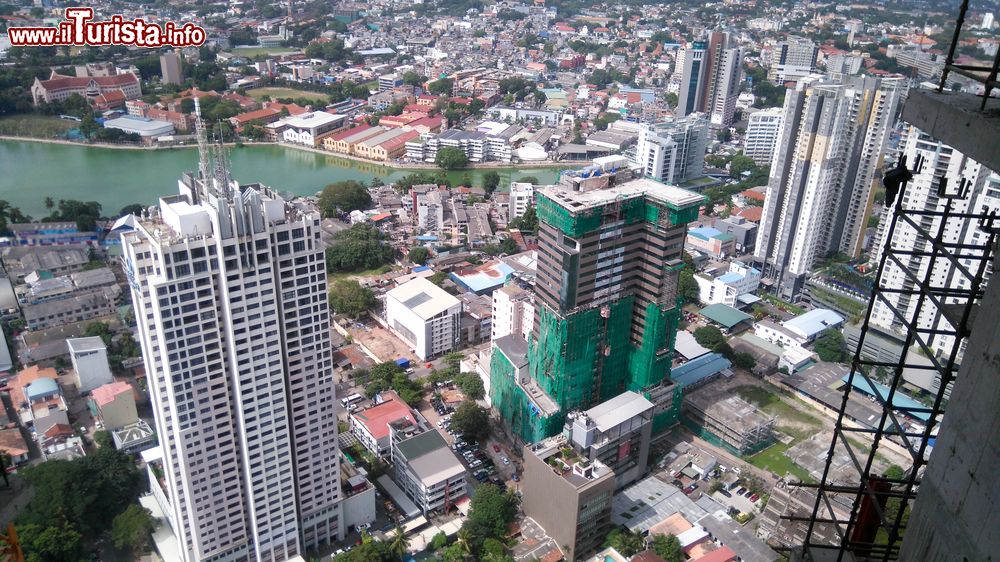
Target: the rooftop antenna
(222, 175)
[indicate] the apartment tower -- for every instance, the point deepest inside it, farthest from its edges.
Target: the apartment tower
(229, 287)
(971, 188)
(820, 190)
(606, 305)
(711, 71)
(673, 151)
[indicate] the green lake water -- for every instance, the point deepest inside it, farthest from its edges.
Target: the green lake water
(31, 171)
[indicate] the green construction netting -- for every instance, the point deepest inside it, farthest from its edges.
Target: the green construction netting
(514, 407)
(646, 367)
(670, 417)
(563, 354)
(572, 224)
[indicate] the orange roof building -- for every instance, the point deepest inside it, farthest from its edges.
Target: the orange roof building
(371, 426)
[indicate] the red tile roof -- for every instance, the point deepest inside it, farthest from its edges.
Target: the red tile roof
(752, 214)
(254, 115)
(751, 194)
(724, 554)
(377, 418)
(59, 82)
(12, 443)
(106, 394)
(348, 132)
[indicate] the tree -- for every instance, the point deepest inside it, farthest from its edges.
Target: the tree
(668, 548)
(347, 296)
(687, 287)
(132, 529)
(743, 360)
(529, 179)
(709, 337)
(55, 543)
(472, 421)
(471, 385)
(359, 247)
(528, 222)
(399, 543)
(451, 158)
(831, 347)
(441, 86)
(624, 541)
(133, 209)
(413, 78)
(740, 164)
(491, 181)
(508, 246)
(419, 255)
(438, 278)
(490, 512)
(85, 214)
(439, 541)
(345, 196)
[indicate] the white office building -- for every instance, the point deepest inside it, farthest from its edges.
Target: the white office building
(673, 151)
(832, 139)
(229, 287)
(90, 362)
(522, 197)
(726, 287)
(513, 311)
(762, 134)
(309, 128)
(727, 75)
(426, 316)
(792, 60)
(427, 470)
(940, 161)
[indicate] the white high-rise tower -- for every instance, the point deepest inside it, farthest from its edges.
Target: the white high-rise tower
(981, 189)
(229, 287)
(819, 196)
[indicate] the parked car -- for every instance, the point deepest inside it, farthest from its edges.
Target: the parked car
(690, 488)
(748, 494)
(755, 497)
(505, 460)
(476, 464)
(515, 477)
(725, 493)
(741, 491)
(496, 448)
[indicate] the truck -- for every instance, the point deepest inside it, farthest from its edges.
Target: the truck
(403, 363)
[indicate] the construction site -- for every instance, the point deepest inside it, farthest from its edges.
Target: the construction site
(605, 324)
(725, 419)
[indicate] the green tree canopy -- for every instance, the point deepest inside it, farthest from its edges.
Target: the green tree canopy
(132, 528)
(472, 421)
(491, 181)
(709, 337)
(84, 214)
(359, 247)
(831, 347)
(687, 287)
(668, 548)
(347, 296)
(54, 543)
(490, 511)
(528, 222)
(346, 196)
(471, 385)
(451, 158)
(624, 541)
(441, 86)
(419, 255)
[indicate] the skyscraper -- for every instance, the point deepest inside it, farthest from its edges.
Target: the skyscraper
(820, 189)
(229, 287)
(980, 188)
(710, 72)
(673, 151)
(605, 320)
(691, 66)
(171, 69)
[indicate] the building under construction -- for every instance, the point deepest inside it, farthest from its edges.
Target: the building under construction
(728, 421)
(607, 308)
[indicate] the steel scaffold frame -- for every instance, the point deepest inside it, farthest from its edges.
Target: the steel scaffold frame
(953, 306)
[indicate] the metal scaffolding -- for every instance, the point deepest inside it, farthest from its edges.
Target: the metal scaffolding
(881, 502)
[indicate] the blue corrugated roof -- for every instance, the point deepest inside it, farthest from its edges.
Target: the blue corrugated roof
(41, 387)
(698, 369)
(420, 268)
(482, 281)
(899, 400)
(814, 321)
(731, 277)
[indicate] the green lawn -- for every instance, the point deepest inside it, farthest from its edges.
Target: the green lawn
(258, 51)
(772, 404)
(334, 277)
(41, 126)
(773, 459)
(275, 93)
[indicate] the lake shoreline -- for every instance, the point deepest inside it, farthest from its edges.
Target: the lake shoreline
(394, 165)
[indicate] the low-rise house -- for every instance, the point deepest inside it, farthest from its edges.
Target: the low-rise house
(76, 308)
(114, 405)
(90, 363)
(310, 128)
(371, 425)
(727, 287)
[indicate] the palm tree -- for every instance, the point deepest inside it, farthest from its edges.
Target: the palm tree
(399, 543)
(464, 540)
(49, 203)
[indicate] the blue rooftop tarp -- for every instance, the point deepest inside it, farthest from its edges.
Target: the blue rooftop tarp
(698, 369)
(900, 401)
(420, 268)
(484, 279)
